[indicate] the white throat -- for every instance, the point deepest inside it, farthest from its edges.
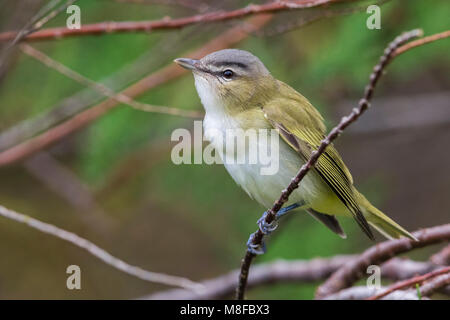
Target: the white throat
(216, 118)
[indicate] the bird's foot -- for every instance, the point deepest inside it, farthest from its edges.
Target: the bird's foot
(267, 228)
(256, 249)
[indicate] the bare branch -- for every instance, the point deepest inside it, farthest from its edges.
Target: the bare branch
(438, 283)
(363, 292)
(351, 272)
(168, 23)
(100, 253)
(334, 133)
(47, 138)
(104, 90)
(297, 271)
(82, 100)
(278, 271)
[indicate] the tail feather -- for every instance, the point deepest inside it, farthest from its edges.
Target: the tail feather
(381, 222)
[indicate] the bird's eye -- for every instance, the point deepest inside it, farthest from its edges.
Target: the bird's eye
(228, 74)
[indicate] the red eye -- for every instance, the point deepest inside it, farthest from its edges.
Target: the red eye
(228, 74)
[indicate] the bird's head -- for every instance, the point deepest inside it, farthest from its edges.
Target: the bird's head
(234, 79)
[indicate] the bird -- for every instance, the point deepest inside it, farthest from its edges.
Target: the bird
(238, 92)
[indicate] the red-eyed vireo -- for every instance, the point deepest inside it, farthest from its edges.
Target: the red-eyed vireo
(238, 92)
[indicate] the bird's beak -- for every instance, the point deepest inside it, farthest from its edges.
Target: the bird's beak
(190, 64)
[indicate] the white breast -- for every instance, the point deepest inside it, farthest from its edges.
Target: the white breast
(263, 188)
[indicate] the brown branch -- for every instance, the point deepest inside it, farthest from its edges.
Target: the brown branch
(168, 23)
(410, 282)
(351, 272)
(45, 14)
(258, 236)
(421, 42)
(47, 138)
(82, 100)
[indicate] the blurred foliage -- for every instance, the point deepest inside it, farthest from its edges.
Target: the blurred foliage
(326, 60)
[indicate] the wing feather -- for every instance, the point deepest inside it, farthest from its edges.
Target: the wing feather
(301, 126)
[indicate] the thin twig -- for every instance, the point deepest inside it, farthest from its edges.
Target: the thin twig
(104, 90)
(421, 42)
(168, 23)
(334, 133)
(36, 23)
(52, 135)
(353, 271)
(100, 253)
(410, 282)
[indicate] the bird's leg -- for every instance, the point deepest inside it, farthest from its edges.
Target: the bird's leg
(267, 228)
(287, 209)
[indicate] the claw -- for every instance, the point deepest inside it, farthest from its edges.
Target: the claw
(256, 249)
(265, 227)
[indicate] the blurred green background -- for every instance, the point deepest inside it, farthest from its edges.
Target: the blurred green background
(113, 182)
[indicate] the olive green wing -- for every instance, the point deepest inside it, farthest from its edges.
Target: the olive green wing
(301, 126)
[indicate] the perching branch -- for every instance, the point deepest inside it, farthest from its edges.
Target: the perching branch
(52, 135)
(351, 272)
(385, 59)
(100, 253)
(168, 23)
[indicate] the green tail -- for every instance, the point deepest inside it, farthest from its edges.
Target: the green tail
(381, 222)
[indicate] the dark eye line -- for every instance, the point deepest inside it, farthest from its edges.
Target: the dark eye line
(214, 73)
(218, 74)
(231, 64)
